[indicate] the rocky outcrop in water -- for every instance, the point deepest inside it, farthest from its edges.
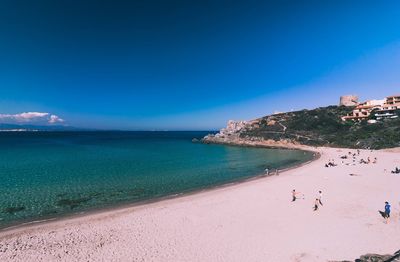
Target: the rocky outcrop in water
(229, 134)
(234, 134)
(233, 129)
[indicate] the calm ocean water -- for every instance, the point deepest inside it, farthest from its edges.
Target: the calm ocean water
(48, 174)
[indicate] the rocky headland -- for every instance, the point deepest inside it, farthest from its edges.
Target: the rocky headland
(310, 128)
(235, 134)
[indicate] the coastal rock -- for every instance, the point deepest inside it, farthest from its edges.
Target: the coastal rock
(237, 133)
(230, 134)
(378, 258)
(233, 127)
(231, 131)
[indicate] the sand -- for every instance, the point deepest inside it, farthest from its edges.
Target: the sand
(251, 221)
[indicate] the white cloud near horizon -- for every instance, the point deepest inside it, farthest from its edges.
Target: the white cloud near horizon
(30, 118)
(55, 119)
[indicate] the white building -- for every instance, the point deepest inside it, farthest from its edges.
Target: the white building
(363, 110)
(389, 108)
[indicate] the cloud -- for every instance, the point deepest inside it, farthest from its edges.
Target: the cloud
(30, 117)
(55, 119)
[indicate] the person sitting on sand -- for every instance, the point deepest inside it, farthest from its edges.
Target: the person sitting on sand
(375, 160)
(396, 171)
(316, 204)
(387, 212)
(330, 163)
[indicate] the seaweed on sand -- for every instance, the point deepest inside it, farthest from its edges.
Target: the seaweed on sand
(13, 210)
(136, 192)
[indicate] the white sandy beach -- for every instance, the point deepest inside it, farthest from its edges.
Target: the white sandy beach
(252, 221)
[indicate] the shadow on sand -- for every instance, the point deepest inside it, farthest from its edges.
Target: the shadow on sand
(382, 213)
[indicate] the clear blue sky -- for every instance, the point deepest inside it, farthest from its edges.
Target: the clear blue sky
(190, 65)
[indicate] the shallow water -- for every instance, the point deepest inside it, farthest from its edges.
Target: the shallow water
(47, 174)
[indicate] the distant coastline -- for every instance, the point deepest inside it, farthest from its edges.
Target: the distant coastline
(19, 130)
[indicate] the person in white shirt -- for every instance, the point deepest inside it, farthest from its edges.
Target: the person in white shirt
(319, 197)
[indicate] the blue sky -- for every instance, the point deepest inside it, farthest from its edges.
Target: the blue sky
(191, 65)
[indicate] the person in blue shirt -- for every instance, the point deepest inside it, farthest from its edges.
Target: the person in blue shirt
(387, 212)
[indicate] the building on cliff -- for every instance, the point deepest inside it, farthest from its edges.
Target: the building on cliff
(393, 100)
(363, 110)
(384, 108)
(348, 100)
(389, 109)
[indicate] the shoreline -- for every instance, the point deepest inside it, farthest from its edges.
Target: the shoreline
(143, 203)
(253, 220)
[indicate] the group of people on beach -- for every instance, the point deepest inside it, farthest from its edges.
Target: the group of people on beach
(268, 172)
(353, 156)
(330, 163)
(368, 161)
(317, 202)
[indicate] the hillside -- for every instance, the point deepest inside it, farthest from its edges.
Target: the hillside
(318, 127)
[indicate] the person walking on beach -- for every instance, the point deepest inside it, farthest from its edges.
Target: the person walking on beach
(294, 195)
(387, 212)
(319, 197)
(316, 204)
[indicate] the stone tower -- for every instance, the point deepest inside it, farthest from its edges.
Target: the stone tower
(348, 100)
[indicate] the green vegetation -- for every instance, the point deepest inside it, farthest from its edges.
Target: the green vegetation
(324, 127)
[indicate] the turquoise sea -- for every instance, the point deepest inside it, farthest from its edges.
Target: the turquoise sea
(50, 174)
